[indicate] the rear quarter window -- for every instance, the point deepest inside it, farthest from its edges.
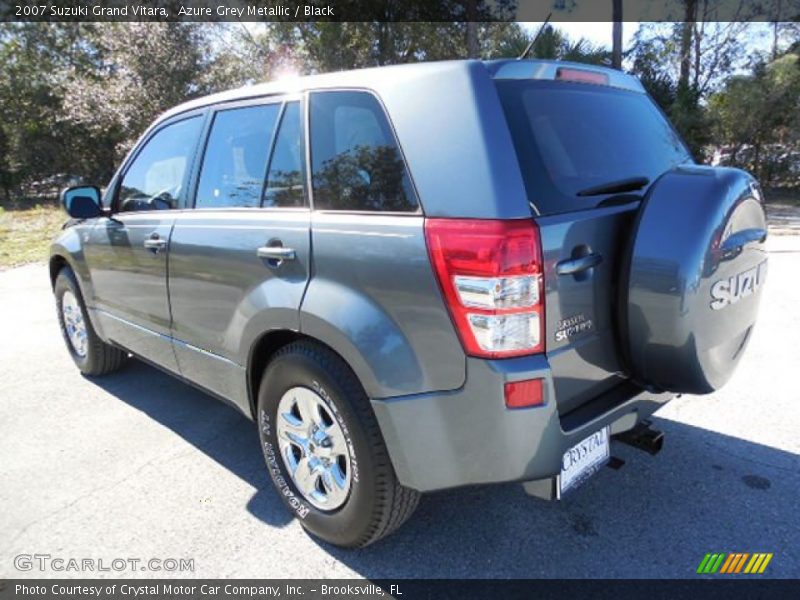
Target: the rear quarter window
(356, 163)
(572, 136)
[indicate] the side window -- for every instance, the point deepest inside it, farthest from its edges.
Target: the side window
(155, 178)
(356, 164)
(235, 160)
(285, 176)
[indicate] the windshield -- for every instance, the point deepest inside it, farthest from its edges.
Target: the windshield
(571, 137)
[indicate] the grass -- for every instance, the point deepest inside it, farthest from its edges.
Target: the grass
(26, 234)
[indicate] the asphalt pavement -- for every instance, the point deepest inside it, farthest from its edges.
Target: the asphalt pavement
(140, 466)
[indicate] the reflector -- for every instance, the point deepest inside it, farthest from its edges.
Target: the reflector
(524, 394)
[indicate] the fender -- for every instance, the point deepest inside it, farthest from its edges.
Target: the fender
(68, 246)
(364, 335)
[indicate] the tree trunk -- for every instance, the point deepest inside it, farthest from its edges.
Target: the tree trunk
(698, 38)
(472, 29)
(687, 29)
(776, 31)
(616, 50)
(775, 26)
(382, 43)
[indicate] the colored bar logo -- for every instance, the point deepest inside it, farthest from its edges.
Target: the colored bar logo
(734, 563)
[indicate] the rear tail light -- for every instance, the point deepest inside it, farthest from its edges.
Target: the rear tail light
(490, 272)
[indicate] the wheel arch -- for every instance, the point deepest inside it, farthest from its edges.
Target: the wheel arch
(56, 263)
(265, 347)
(61, 257)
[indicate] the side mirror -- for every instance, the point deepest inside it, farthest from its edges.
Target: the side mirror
(82, 202)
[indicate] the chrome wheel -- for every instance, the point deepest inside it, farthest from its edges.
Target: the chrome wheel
(74, 324)
(313, 448)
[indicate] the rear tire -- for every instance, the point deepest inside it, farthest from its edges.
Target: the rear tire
(306, 378)
(91, 354)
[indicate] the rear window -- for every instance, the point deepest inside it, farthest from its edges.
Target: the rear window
(574, 136)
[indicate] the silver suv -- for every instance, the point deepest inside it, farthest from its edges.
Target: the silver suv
(420, 277)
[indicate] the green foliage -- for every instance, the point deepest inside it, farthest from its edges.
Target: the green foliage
(756, 118)
(734, 101)
(714, 51)
(509, 40)
(73, 97)
(142, 70)
(34, 60)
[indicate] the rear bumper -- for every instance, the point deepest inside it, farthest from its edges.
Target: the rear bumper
(467, 436)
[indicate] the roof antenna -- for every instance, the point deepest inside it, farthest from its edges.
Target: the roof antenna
(536, 37)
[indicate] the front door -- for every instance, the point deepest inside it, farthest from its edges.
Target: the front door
(128, 252)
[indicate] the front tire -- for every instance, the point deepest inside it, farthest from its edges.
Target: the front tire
(91, 354)
(324, 450)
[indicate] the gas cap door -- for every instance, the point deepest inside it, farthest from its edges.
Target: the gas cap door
(692, 279)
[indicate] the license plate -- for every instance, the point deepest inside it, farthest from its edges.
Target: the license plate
(583, 460)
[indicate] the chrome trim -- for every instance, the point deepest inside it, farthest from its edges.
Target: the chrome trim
(168, 338)
(204, 352)
(131, 324)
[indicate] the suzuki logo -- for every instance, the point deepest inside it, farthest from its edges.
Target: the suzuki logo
(731, 290)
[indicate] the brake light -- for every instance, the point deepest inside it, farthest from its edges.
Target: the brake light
(490, 272)
(582, 76)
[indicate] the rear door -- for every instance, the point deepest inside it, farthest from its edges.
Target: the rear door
(572, 139)
(239, 259)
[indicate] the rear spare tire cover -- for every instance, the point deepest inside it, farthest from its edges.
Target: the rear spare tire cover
(692, 279)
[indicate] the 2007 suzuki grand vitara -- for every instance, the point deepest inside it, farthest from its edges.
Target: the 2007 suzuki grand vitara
(419, 277)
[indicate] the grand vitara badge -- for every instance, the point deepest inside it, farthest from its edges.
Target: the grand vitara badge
(572, 326)
(732, 289)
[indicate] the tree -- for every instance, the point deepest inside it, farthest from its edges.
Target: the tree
(680, 64)
(144, 69)
(34, 61)
(756, 119)
(509, 40)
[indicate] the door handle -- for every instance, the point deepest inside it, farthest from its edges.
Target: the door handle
(572, 266)
(155, 243)
(276, 253)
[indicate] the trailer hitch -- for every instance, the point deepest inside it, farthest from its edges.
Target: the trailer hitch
(643, 437)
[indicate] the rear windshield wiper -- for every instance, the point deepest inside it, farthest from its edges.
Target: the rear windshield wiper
(615, 187)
